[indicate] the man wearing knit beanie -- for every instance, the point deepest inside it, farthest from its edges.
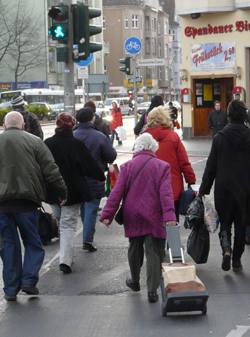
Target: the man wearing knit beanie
(65, 120)
(75, 162)
(31, 121)
(103, 151)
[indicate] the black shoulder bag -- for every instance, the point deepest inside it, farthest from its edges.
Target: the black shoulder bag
(119, 214)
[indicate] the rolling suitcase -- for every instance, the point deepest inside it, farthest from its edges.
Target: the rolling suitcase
(181, 289)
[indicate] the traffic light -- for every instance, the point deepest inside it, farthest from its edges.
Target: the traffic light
(125, 61)
(130, 94)
(82, 30)
(60, 23)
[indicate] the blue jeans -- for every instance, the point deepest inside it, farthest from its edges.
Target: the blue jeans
(15, 273)
(113, 133)
(88, 216)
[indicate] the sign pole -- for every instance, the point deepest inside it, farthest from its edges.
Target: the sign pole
(69, 84)
(135, 90)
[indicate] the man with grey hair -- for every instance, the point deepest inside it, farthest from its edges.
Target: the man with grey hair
(31, 121)
(26, 164)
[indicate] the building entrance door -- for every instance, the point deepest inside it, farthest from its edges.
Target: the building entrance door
(205, 92)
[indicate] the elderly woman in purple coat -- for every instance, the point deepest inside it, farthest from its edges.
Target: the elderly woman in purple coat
(144, 184)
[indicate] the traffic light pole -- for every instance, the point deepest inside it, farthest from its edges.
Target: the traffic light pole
(69, 84)
(135, 90)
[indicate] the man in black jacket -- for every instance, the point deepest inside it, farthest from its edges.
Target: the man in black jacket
(31, 121)
(217, 119)
(229, 165)
(75, 162)
(155, 102)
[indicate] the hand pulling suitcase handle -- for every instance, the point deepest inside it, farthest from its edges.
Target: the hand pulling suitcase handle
(174, 238)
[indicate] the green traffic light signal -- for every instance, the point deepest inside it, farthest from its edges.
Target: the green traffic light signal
(60, 23)
(125, 69)
(82, 30)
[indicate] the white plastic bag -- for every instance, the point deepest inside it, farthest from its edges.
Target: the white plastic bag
(211, 218)
(120, 130)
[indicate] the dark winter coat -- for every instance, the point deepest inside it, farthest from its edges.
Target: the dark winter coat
(100, 148)
(229, 165)
(26, 165)
(102, 125)
(75, 162)
(155, 101)
(216, 121)
(148, 202)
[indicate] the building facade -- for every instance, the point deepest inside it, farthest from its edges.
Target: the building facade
(146, 21)
(215, 58)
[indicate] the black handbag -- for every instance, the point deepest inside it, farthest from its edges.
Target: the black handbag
(119, 214)
(198, 244)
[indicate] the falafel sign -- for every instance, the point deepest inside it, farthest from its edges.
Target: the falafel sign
(213, 56)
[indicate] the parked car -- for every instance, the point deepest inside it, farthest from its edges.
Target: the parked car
(56, 109)
(143, 107)
(175, 104)
(41, 104)
(123, 104)
(5, 105)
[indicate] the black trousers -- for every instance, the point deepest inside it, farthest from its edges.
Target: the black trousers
(155, 250)
(234, 216)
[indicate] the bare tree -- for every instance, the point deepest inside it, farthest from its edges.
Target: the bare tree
(27, 48)
(7, 28)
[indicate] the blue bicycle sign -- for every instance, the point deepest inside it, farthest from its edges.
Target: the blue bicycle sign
(133, 45)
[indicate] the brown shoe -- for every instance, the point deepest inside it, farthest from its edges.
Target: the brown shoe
(237, 265)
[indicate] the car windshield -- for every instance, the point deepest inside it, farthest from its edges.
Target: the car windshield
(108, 101)
(144, 104)
(57, 106)
(5, 105)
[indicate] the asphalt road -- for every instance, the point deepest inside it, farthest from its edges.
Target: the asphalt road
(94, 300)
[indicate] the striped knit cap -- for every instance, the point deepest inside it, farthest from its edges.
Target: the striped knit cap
(17, 100)
(65, 120)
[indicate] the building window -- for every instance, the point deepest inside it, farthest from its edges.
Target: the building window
(135, 23)
(104, 22)
(166, 73)
(147, 45)
(126, 21)
(159, 48)
(147, 22)
(175, 57)
(60, 67)
(153, 23)
(174, 35)
(159, 27)
(176, 77)
(166, 50)
(166, 28)
(153, 46)
(160, 74)
(105, 71)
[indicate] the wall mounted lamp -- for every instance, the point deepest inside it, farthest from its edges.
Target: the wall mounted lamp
(183, 74)
(236, 71)
(195, 15)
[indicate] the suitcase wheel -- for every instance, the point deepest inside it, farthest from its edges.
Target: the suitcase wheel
(163, 310)
(204, 311)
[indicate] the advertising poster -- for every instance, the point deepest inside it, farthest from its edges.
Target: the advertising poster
(208, 92)
(213, 56)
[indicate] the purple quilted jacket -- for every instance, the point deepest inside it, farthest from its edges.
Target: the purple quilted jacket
(149, 201)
